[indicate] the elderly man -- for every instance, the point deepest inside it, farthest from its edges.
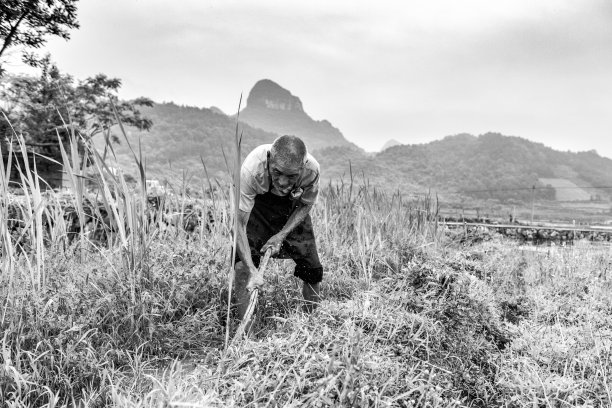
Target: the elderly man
(279, 184)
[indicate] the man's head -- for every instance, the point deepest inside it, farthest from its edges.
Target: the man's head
(287, 158)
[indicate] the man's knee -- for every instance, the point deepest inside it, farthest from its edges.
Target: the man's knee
(309, 274)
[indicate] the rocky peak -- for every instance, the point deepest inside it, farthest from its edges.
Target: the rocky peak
(272, 108)
(267, 94)
(390, 143)
(216, 110)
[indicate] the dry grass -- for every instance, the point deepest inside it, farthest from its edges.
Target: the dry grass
(410, 318)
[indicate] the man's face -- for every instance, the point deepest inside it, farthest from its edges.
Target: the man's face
(284, 175)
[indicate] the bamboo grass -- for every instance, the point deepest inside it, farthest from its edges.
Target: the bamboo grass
(236, 195)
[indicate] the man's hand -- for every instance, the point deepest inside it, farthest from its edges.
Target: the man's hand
(256, 280)
(274, 243)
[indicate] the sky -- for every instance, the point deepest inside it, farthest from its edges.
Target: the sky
(409, 70)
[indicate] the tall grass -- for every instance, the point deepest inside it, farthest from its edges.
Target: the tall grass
(132, 312)
(234, 171)
(129, 229)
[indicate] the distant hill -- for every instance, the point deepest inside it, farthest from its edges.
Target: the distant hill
(275, 109)
(491, 166)
(180, 135)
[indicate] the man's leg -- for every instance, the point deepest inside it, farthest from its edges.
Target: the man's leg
(312, 296)
(302, 248)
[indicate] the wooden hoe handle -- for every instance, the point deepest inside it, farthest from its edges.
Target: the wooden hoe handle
(253, 299)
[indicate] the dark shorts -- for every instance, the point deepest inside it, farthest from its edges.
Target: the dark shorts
(268, 217)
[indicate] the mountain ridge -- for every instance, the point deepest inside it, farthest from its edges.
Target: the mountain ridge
(490, 166)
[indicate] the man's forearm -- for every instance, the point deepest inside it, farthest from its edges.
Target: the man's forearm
(242, 242)
(298, 215)
(244, 252)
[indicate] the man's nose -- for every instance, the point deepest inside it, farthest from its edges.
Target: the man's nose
(283, 181)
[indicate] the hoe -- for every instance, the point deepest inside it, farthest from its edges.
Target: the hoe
(252, 300)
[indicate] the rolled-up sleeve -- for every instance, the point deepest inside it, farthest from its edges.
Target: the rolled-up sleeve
(247, 190)
(311, 190)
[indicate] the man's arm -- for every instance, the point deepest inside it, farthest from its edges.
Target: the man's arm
(297, 216)
(244, 252)
(243, 249)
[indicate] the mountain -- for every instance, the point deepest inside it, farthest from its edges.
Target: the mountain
(180, 136)
(216, 110)
(275, 109)
(390, 143)
(490, 166)
(486, 167)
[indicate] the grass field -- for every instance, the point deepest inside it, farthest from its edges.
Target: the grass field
(565, 190)
(411, 318)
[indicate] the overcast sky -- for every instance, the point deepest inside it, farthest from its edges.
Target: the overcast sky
(414, 71)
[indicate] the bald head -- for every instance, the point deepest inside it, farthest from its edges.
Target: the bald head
(288, 151)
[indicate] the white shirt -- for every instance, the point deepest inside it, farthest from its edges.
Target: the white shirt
(255, 178)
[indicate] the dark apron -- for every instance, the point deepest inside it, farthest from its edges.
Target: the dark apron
(269, 215)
